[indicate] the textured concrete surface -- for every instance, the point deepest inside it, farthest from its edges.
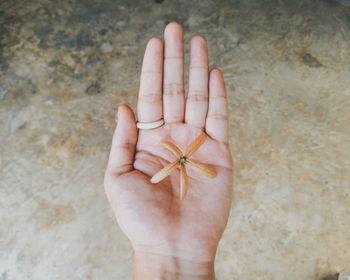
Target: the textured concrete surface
(65, 67)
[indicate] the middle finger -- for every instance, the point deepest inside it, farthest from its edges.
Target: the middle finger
(173, 88)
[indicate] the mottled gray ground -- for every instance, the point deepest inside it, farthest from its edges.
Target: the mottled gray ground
(65, 67)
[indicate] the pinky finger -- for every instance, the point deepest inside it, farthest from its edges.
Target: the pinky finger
(217, 118)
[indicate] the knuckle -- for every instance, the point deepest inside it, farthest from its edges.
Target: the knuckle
(171, 119)
(218, 117)
(125, 146)
(196, 123)
(173, 89)
(198, 68)
(150, 97)
(197, 96)
(218, 96)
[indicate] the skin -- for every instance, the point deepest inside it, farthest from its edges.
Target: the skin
(172, 238)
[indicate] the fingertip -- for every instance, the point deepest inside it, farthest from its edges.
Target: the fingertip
(173, 25)
(216, 80)
(173, 28)
(122, 108)
(125, 110)
(155, 42)
(198, 39)
(216, 72)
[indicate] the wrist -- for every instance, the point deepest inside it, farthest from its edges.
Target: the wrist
(156, 266)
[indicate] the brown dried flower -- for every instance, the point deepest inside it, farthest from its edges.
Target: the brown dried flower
(181, 161)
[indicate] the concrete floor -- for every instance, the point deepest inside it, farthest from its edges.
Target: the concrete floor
(65, 67)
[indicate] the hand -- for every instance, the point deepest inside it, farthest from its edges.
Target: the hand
(164, 230)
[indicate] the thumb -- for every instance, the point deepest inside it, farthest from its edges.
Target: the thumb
(122, 153)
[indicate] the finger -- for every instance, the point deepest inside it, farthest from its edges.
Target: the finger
(149, 104)
(216, 124)
(173, 85)
(123, 144)
(197, 98)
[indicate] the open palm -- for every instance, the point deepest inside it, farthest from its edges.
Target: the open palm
(152, 215)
